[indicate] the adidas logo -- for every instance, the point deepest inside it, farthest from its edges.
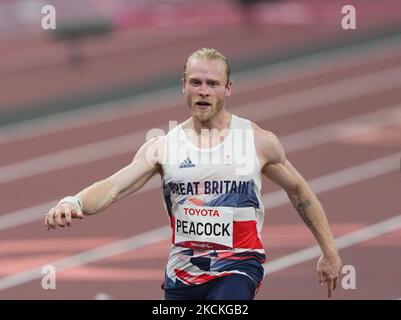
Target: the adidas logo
(187, 163)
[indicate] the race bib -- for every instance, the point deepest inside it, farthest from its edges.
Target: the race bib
(199, 227)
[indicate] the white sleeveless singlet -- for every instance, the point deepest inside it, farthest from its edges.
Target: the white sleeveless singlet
(213, 200)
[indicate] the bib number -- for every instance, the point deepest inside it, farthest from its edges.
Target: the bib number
(209, 228)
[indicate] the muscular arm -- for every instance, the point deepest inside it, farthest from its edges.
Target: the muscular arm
(102, 194)
(278, 169)
(303, 200)
(129, 179)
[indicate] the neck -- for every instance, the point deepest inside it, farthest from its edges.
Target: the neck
(220, 121)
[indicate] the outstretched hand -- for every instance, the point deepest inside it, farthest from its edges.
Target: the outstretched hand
(62, 215)
(328, 269)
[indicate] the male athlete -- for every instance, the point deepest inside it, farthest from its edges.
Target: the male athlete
(211, 167)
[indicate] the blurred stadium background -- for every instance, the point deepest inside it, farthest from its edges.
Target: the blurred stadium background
(76, 103)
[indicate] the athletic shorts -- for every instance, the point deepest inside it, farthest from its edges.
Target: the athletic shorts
(231, 287)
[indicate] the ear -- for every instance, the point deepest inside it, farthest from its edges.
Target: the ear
(184, 90)
(227, 92)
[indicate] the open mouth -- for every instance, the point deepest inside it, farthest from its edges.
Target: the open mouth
(203, 104)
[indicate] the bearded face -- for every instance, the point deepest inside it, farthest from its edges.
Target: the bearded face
(206, 88)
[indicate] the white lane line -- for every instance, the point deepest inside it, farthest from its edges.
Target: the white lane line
(342, 242)
(99, 253)
(323, 96)
(34, 213)
(342, 178)
(278, 73)
(102, 112)
(56, 53)
(326, 183)
(124, 144)
(339, 130)
(338, 59)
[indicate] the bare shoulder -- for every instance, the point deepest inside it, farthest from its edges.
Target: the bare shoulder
(152, 150)
(268, 145)
(262, 135)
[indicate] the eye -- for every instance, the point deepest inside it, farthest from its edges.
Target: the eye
(213, 83)
(195, 82)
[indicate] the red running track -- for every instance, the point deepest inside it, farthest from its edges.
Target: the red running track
(350, 129)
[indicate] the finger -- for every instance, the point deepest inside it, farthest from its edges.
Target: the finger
(321, 278)
(47, 225)
(58, 217)
(46, 222)
(50, 219)
(335, 283)
(67, 214)
(329, 287)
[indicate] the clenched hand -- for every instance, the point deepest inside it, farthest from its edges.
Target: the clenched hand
(62, 215)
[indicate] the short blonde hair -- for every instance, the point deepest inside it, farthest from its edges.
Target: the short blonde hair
(208, 54)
